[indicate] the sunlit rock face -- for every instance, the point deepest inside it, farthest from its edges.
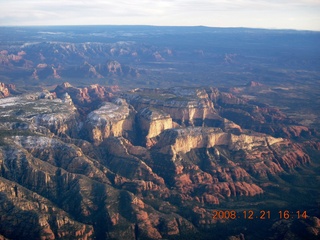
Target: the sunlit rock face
(6, 89)
(185, 106)
(88, 98)
(219, 163)
(152, 122)
(109, 120)
(40, 112)
(93, 162)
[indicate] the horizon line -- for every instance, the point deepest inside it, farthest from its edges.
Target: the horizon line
(160, 26)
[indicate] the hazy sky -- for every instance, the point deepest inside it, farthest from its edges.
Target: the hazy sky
(279, 14)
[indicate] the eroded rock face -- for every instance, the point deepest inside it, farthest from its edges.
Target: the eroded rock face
(185, 139)
(198, 160)
(6, 89)
(185, 106)
(88, 98)
(83, 163)
(25, 214)
(110, 120)
(40, 112)
(152, 122)
(256, 116)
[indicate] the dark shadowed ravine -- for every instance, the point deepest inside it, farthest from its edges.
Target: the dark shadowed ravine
(159, 133)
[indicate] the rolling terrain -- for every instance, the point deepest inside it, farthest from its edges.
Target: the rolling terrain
(286, 61)
(118, 132)
(96, 162)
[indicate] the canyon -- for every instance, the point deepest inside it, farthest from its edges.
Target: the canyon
(98, 162)
(147, 132)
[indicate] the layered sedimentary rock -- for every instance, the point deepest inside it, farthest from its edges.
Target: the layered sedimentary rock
(86, 196)
(87, 163)
(40, 111)
(183, 140)
(256, 116)
(86, 98)
(200, 158)
(152, 122)
(185, 106)
(109, 120)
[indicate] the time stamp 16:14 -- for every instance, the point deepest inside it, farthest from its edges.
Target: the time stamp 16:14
(262, 214)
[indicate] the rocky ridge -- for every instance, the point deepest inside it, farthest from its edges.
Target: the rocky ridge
(147, 163)
(57, 60)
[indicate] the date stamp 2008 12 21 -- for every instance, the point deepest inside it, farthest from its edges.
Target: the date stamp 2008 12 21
(260, 215)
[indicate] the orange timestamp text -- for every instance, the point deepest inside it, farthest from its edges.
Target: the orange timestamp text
(260, 215)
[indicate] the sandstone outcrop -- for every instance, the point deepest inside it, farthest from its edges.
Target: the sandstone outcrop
(256, 116)
(87, 97)
(179, 150)
(41, 110)
(185, 106)
(108, 121)
(152, 122)
(92, 162)
(183, 140)
(6, 89)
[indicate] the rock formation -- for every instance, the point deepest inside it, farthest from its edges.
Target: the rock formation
(109, 120)
(56, 60)
(93, 162)
(6, 89)
(86, 98)
(152, 122)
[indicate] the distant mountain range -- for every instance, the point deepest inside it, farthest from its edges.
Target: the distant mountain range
(141, 132)
(43, 53)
